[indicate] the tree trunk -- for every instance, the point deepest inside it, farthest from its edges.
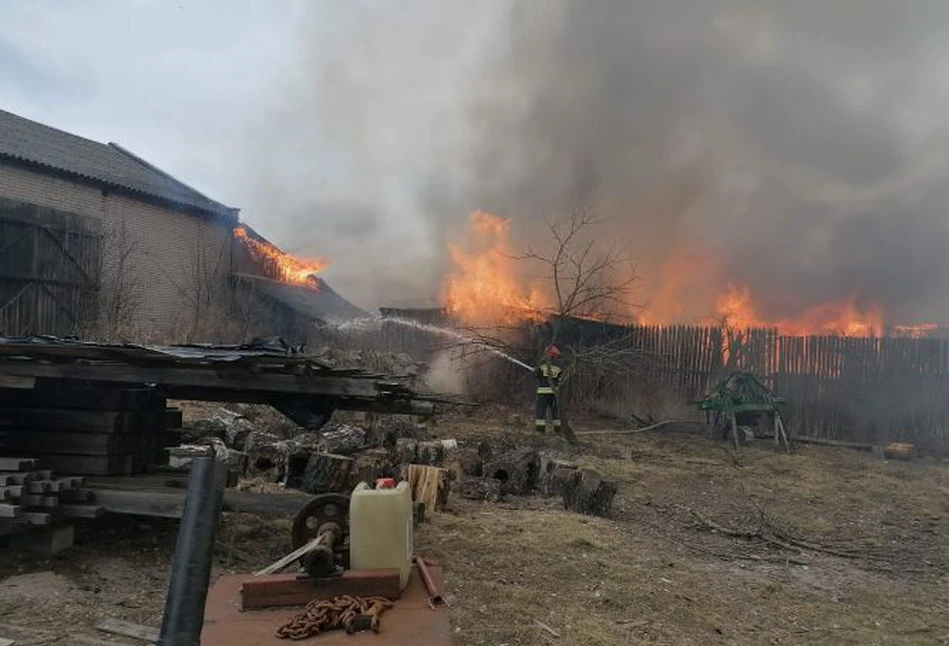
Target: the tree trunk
(326, 473)
(480, 489)
(587, 492)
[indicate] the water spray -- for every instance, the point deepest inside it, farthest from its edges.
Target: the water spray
(376, 322)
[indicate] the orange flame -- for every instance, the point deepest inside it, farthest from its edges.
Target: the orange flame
(290, 269)
(484, 287)
(842, 318)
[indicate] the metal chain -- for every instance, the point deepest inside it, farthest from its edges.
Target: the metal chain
(321, 615)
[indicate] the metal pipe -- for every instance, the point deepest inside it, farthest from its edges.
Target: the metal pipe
(434, 596)
(188, 589)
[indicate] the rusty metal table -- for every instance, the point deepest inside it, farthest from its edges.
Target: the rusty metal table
(409, 622)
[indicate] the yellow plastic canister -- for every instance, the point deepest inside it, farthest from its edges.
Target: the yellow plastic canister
(380, 529)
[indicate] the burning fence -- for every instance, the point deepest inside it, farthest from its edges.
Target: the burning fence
(492, 283)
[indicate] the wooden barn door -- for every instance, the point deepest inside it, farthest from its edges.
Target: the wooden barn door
(49, 270)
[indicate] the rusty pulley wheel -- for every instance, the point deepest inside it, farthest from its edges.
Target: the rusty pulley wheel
(325, 508)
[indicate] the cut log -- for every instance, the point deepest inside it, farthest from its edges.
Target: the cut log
(464, 462)
(371, 465)
(344, 439)
(554, 482)
(554, 472)
(266, 456)
(430, 453)
(429, 485)
(518, 471)
(389, 429)
(326, 472)
(406, 450)
(587, 492)
(475, 488)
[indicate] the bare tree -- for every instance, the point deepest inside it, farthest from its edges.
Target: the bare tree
(122, 290)
(587, 281)
(204, 290)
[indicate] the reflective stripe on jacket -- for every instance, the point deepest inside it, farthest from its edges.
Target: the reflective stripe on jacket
(547, 377)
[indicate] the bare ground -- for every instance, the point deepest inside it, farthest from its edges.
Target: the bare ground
(830, 546)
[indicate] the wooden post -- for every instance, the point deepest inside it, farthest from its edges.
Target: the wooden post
(734, 430)
(779, 427)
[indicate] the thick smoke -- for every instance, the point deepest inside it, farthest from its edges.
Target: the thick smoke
(793, 147)
(369, 106)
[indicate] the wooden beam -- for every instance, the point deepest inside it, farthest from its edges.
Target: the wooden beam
(279, 590)
(80, 511)
(16, 464)
(224, 378)
(36, 443)
(10, 511)
(57, 394)
(167, 504)
(81, 421)
(128, 629)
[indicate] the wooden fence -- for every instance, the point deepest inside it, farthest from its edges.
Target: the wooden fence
(860, 389)
(49, 270)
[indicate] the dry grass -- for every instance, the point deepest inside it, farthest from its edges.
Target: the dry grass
(654, 575)
(649, 575)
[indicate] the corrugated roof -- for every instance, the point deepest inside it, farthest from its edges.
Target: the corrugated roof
(108, 164)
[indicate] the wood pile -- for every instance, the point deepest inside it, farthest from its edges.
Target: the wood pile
(34, 499)
(89, 431)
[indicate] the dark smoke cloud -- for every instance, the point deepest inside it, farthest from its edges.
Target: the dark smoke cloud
(748, 129)
(798, 145)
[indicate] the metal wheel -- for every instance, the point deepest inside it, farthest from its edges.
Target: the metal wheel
(325, 508)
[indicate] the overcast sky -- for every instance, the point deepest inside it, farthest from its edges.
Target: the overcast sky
(237, 98)
(365, 130)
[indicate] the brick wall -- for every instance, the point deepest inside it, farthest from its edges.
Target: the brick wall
(173, 265)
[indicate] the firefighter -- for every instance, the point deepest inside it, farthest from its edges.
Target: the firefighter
(548, 377)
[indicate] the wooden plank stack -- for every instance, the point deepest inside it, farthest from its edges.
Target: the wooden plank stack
(89, 431)
(32, 498)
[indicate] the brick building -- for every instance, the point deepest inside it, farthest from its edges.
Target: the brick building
(91, 227)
